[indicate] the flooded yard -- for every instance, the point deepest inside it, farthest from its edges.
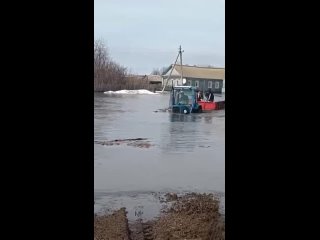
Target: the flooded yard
(141, 153)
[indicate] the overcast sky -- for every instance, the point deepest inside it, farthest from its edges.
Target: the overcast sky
(145, 34)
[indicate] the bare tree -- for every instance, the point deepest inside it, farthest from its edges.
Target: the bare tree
(101, 56)
(164, 70)
(156, 71)
(109, 75)
(159, 71)
(101, 61)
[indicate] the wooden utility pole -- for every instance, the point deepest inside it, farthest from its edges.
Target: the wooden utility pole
(180, 53)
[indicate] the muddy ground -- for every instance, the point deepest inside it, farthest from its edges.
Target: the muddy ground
(113, 226)
(191, 216)
(134, 142)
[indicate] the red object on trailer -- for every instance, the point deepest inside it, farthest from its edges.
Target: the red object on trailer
(209, 106)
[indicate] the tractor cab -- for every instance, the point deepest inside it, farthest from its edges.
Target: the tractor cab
(183, 99)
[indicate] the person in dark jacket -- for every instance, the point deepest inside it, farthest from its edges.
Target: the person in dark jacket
(206, 95)
(199, 96)
(211, 96)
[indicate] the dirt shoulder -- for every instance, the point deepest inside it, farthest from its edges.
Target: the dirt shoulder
(112, 227)
(191, 216)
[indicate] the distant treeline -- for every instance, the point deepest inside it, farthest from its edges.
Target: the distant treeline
(111, 76)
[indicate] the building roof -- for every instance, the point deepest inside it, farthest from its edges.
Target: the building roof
(155, 78)
(136, 76)
(150, 78)
(200, 72)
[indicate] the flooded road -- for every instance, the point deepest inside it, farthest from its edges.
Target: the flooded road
(184, 153)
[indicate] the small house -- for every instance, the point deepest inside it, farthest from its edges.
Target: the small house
(202, 77)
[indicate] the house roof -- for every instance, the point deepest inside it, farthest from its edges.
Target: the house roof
(150, 78)
(200, 72)
(136, 76)
(154, 78)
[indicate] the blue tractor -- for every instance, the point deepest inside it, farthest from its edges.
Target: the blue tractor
(183, 99)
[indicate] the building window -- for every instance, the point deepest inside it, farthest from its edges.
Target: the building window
(216, 85)
(189, 83)
(197, 84)
(210, 84)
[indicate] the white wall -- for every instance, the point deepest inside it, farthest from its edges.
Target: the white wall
(223, 86)
(176, 81)
(175, 76)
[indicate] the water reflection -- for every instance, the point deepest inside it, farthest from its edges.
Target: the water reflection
(185, 132)
(187, 150)
(177, 117)
(180, 134)
(208, 119)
